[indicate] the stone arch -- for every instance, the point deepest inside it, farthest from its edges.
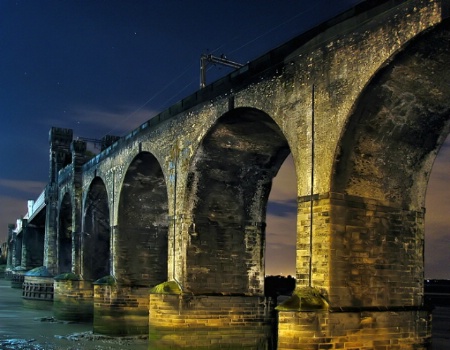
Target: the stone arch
(65, 230)
(141, 233)
(96, 233)
(229, 182)
(381, 172)
(398, 124)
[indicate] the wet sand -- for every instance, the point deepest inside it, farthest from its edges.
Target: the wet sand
(23, 328)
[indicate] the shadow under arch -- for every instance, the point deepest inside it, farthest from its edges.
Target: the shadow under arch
(398, 124)
(141, 233)
(96, 234)
(65, 235)
(381, 172)
(228, 186)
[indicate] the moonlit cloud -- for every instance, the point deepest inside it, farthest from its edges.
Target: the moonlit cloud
(121, 122)
(32, 188)
(281, 229)
(11, 208)
(15, 205)
(437, 234)
(89, 121)
(284, 184)
(282, 222)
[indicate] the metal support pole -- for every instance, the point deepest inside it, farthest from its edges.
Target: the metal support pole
(205, 59)
(311, 211)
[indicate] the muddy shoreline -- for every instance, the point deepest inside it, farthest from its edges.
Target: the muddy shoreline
(23, 328)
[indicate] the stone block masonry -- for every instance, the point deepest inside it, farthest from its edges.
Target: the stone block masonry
(73, 300)
(210, 322)
(38, 288)
(361, 102)
(119, 310)
(365, 252)
(358, 330)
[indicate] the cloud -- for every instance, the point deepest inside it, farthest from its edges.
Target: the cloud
(14, 201)
(281, 233)
(32, 188)
(437, 236)
(281, 220)
(94, 122)
(281, 229)
(284, 186)
(281, 259)
(436, 257)
(11, 209)
(282, 208)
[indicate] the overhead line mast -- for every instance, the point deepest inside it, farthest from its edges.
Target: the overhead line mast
(205, 59)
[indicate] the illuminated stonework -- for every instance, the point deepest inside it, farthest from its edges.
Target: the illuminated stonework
(389, 329)
(362, 103)
(210, 322)
(73, 298)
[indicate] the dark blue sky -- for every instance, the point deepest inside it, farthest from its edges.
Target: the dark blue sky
(89, 65)
(104, 67)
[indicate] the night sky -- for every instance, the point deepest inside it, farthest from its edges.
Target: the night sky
(105, 67)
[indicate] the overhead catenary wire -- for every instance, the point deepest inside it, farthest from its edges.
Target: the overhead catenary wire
(153, 97)
(169, 100)
(273, 29)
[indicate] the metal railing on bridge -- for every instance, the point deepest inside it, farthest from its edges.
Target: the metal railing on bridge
(34, 207)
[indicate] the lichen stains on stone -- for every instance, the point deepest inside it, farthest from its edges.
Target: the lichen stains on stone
(39, 272)
(107, 280)
(169, 287)
(69, 276)
(303, 299)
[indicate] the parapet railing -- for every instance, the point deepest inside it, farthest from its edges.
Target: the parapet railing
(38, 204)
(65, 173)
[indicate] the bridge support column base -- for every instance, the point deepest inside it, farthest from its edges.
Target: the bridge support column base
(73, 300)
(17, 277)
(119, 310)
(37, 292)
(312, 330)
(210, 322)
(8, 274)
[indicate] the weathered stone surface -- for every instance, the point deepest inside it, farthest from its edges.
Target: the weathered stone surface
(73, 299)
(362, 104)
(120, 310)
(354, 330)
(210, 322)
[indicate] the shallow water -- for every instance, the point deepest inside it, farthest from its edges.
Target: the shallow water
(24, 328)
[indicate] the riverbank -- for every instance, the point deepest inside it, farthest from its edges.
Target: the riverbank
(23, 328)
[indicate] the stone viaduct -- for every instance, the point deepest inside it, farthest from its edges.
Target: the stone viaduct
(164, 230)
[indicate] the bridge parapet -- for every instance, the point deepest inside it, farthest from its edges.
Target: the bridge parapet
(65, 174)
(36, 206)
(183, 197)
(19, 226)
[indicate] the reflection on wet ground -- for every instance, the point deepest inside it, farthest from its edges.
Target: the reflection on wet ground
(23, 328)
